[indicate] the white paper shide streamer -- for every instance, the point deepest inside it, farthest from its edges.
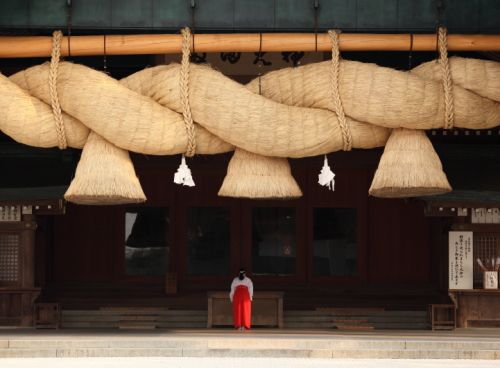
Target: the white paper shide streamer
(183, 175)
(326, 177)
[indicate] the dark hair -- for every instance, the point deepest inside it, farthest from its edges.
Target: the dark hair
(242, 273)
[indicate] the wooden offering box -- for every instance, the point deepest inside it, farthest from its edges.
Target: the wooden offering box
(267, 309)
(477, 307)
(47, 315)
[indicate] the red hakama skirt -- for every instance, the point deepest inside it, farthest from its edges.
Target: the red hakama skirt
(242, 307)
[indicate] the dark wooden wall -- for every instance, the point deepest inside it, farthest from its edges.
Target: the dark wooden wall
(399, 249)
(394, 241)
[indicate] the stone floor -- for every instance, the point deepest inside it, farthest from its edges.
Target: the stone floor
(241, 363)
(477, 335)
(256, 343)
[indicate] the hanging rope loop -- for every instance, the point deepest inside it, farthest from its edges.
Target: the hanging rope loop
(445, 67)
(54, 99)
(184, 81)
(339, 109)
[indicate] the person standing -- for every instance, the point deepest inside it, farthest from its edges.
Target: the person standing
(241, 296)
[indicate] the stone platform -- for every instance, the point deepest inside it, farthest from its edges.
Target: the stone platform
(285, 343)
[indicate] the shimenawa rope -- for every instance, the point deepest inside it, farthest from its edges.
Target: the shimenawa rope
(339, 110)
(54, 99)
(445, 67)
(184, 79)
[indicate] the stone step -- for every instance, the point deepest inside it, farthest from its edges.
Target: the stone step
(383, 325)
(348, 324)
(159, 324)
(354, 327)
(135, 311)
(351, 309)
(251, 343)
(254, 353)
(118, 318)
(367, 313)
(369, 318)
(137, 327)
(133, 308)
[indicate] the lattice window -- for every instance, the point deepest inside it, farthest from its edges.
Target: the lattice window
(9, 257)
(486, 249)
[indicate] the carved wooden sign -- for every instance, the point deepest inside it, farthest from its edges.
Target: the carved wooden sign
(10, 213)
(247, 63)
(460, 260)
(171, 283)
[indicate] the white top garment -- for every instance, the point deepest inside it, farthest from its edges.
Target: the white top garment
(237, 282)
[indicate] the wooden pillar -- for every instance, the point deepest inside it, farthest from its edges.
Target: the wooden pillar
(28, 252)
(462, 311)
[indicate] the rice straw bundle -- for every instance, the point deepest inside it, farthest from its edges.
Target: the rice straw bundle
(293, 118)
(251, 175)
(409, 167)
(105, 175)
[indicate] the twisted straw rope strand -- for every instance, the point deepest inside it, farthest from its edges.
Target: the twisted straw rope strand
(445, 67)
(184, 81)
(337, 103)
(54, 99)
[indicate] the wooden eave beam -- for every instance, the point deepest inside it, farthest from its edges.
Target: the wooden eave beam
(24, 47)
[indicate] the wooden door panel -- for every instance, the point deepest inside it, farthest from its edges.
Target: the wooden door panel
(300, 232)
(351, 191)
(205, 194)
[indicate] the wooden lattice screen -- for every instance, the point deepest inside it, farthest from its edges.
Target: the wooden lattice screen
(486, 249)
(9, 258)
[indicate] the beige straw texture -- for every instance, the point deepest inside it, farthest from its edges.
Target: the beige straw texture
(271, 124)
(250, 121)
(380, 96)
(105, 175)
(409, 167)
(54, 99)
(479, 76)
(250, 175)
(28, 120)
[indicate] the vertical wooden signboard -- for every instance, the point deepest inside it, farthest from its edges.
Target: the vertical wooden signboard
(460, 260)
(171, 283)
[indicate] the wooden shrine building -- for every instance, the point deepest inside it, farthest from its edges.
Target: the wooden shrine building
(338, 248)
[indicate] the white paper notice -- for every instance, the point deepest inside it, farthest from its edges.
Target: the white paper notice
(10, 213)
(460, 260)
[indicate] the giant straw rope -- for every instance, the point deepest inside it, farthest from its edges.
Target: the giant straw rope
(303, 111)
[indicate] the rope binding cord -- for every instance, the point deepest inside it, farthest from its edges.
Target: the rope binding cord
(183, 174)
(439, 7)
(54, 99)
(339, 109)
(184, 79)
(316, 9)
(445, 67)
(105, 61)
(68, 5)
(411, 49)
(259, 63)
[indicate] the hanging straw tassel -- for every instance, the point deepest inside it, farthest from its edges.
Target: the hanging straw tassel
(183, 175)
(105, 175)
(251, 175)
(409, 167)
(326, 177)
